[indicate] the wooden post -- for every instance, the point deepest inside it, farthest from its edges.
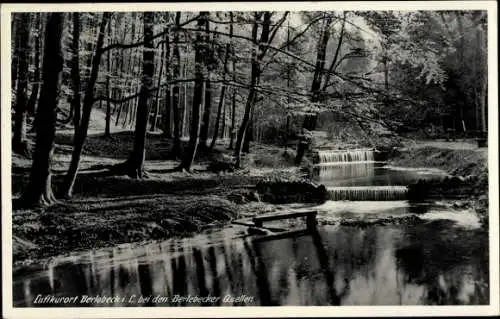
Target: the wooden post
(311, 222)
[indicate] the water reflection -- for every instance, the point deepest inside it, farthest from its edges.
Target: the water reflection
(382, 265)
(367, 174)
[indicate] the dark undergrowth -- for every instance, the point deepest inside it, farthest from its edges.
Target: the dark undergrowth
(102, 186)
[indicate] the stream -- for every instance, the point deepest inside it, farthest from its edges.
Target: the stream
(350, 260)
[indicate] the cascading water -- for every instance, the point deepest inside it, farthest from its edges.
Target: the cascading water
(368, 193)
(345, 156)
(340, 171)
(354, 175)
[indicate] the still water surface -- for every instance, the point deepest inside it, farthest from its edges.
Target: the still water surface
(369, 174)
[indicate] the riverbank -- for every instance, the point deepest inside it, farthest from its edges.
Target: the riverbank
(466, 164)
(99, 222)
(108, 210)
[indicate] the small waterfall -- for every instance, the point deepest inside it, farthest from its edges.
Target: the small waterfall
(350, 175)
(336, 172)
(344, 156)
(368, 193)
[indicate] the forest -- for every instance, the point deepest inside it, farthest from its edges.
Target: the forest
(171, 153)
(199, 81)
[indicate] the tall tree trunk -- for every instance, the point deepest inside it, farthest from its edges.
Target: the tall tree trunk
(122, 105)
(89, 49)
(244, 123)
(75, 71)
(461, 52)
(232, 131)
(126, 111)
(335, 60)
(167, 104)
(254, 80)
(42, 25)
(16, 34)
(483, 78)
(201, 50)
(36, 76)
(205, 124)
(310, 119)
(130, 69)
(132, 118)
(483, 106)
(176, 119)
(320, 58)
(88, 102)
(176, 90)
(257, 56)
(475, 70)
(287, 132)
(135, 163)
(132, 109)
(184, 103)
(167, 129)
(249, 137)
(39, 188)
(386, 73)
(223, 123)
(120, 87)
(107, 129)
(288, 78)
(157, 97)
(118, 65)
(19, 143)
(222, 98)
(186, 116)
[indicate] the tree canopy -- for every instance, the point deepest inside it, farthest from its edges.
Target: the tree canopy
(253, 76)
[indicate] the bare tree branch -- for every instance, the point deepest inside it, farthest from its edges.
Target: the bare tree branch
(301, 33)
(337, 51)
(138, 44)
(275, 28)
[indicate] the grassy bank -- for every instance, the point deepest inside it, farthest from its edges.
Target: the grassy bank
(456, 159)
(107, 209)
(463, 160)
(98, 222)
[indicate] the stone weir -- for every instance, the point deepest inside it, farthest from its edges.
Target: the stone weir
(282, 192)
(363, 155)
(355, 164)
(368, 193)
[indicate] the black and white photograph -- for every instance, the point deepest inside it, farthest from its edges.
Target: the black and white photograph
(247, 158)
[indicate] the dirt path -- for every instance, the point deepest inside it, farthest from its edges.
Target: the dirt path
(456, 145)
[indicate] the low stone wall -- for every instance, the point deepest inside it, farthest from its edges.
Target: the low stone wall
(455, 187)
(379, 155)
(284, 192)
